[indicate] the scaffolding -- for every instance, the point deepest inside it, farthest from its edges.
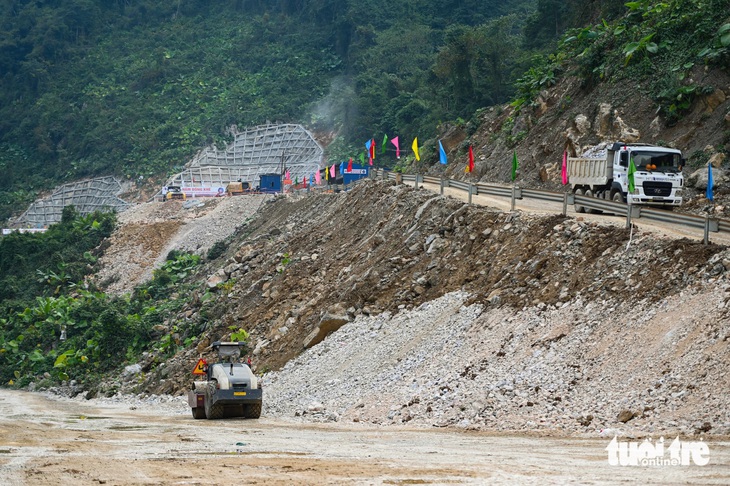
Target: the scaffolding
(264, 149)
(86, 196)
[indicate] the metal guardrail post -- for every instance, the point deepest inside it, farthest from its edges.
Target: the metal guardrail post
(512, 207)
(442, 186)
(416, 183)
(565, 204)
(632, 212)
(706, 239)
(471, 191)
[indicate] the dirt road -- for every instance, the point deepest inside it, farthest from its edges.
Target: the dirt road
(547, 207)
(62, 441)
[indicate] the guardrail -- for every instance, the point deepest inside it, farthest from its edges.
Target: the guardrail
(590, 204)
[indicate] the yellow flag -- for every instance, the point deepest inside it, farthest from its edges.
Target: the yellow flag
(415, 148)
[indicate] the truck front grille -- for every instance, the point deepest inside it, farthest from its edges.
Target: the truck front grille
(657, 189)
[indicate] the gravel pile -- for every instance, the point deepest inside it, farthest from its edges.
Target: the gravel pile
(595, 368)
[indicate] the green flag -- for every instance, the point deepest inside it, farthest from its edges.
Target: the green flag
(632, 169)
(362, 158)
(514, 165)
(385, 141)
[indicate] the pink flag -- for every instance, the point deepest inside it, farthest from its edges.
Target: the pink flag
(564, 170)
(287, 175)
(332, 170)
(317, 178)
(394, 141)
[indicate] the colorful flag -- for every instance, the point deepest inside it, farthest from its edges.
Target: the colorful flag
(514, 165)
(632, 169)
(367, 145)
(305, 182)
(317, 178)
(342, 167)
(372, 149)
(349, 165)
(564, 169)
(326, 174)
(442, 154)
(470, 167)
(296, 181)
(710, 182)
(362, 158)
(415, 148)
(394, 141)
(385, 141)
(332, 170)
(287, 175)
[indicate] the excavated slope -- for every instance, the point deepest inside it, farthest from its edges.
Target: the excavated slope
(451, 314)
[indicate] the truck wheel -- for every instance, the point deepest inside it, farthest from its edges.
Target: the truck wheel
(198, 413)
(589, 193)
(252, 410)
(578, 207)
(617, 196)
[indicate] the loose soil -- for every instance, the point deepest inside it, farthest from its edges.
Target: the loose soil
(57, 441)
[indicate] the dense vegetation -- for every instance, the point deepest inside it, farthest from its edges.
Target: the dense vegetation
(56, 326)
(135, 87)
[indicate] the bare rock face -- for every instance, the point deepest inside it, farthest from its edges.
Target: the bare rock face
(713, 100)
(623, 131)
(603, 121)
(717, 159)
(578, 129)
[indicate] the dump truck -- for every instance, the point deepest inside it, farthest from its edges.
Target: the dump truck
(229, 388)
(604, 173)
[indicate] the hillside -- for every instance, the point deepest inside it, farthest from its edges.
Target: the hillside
(392, 305)
(450, 314)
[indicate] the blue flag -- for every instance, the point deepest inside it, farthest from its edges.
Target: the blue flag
(442, 154)
(710, 182)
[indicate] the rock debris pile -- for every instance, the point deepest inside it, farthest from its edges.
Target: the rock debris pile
(391, 305)
(582, 367)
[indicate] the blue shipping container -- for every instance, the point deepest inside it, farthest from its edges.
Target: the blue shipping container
(358, 172)
(270, 183)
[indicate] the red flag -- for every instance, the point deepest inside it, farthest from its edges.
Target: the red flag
(471, 159)
(349, 165)
(564, 169)
(372, 149)
(305, 182)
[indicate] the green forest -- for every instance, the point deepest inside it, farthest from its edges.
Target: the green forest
(136, 87)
